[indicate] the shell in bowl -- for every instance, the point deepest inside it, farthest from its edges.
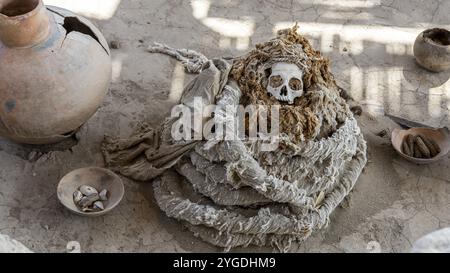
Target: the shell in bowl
(96, 177)
(441, 136)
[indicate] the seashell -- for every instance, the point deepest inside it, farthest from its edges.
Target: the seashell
(88, 190)
(88, 200)
(98, 205)
(77, 196)
(103, 195)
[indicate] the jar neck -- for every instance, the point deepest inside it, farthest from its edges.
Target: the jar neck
(23, 23)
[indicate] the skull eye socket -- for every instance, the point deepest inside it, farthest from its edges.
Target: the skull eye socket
(275, 81)
(295, 84)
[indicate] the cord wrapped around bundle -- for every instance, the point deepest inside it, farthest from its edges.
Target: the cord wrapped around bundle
(249, 202)
(233, 193)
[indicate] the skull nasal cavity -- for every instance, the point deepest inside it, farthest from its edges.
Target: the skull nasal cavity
(283, 91)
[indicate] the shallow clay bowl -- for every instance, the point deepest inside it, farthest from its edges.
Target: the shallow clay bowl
(441, 136)
(98, 178)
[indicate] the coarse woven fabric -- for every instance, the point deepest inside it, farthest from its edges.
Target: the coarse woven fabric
(232, 193)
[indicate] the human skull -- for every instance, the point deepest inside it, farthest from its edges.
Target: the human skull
(285, 82)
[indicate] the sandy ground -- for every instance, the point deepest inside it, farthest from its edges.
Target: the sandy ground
(370, 45)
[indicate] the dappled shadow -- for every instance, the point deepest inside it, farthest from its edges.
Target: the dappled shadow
(369, 43)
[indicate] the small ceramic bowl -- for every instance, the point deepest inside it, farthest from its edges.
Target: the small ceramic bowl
(98, 178)
(432, 49)
(440, 136)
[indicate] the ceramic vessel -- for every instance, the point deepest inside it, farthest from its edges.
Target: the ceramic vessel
(55, 70)
(432, 49)
(96, 177)
(441, 136)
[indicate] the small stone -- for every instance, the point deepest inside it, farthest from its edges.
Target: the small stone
(356, 110)
(382, 133)
(115, 45)
(33, 156)
(345, 49)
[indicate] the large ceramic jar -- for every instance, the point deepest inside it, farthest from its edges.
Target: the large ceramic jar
(55, 69)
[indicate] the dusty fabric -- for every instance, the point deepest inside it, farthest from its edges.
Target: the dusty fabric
(151, 152)
(232, 193)
(319, 111)
(290, 191)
